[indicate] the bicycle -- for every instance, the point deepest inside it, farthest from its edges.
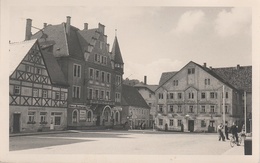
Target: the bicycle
(233, 140)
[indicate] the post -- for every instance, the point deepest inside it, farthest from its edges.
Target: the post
(224, 122)
(245, 110)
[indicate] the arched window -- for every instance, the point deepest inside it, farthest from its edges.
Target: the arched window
(89, 116)
(74, 116)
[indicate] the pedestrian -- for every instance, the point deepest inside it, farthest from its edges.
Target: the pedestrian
(220, 132)
(226, 131)
(234, 131)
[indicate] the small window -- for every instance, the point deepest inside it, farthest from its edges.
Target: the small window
(203, 109)
(31, 117)
(179, 109)
(171, 95)
(77, 70)
(179, 95)
(171, 122)
(35, 93)
(160, 122)
(57, 95)
(43, 117)
(212, 94)
(108, 77)
(97, 75)
(96, 57)
(179, 122)
(171, 108)
(17, 90)
(212, 109)
(38, 71)
(108, 95)
(102, 95)
(160, 95)
(203, 95)
(89, 115)
(226, 109)
(62, 96)
(76, 92)
(160, 108)
(97, 94)
(191, 109)
(91, 73)
(57, 120)
(103, 76)
(226, 94)
(44, 93)
(90, 93)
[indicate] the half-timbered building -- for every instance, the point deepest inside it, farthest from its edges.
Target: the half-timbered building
(37, 89)
(93, 72)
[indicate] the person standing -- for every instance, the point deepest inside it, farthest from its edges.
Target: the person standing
(226, 131)
(220, 132)
(234, 131)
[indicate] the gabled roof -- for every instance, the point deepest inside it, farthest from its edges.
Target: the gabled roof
(54, 70)
(116, 53)
(152, 88)
(131, 97)
(17, 52)
(166, 76)
(240, 77)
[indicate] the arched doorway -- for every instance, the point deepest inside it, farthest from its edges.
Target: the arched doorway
(106, 115)
(117, 117)
(75, 116)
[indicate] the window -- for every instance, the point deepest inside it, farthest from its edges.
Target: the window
(28, 68)
(44, 93)
(207, 81)
(102, 95)
(97, 75)
(191, 71)
(100, 45)
(91, 73)
(226, 94)
(160, 122)
(150, 104)
(160, 95)
(38, 71)
(171, 108)
(203, 109)
(203, 123)
(62, 96)
(191, 95)
(35, 93)
(212, 109)
(57, 121)
(171, 95)
(97, 94)
(103, 76)
(108, 95)
(57, 117)
(160, 108)
(226, 109)
(171, 122)
(76, 92)
(175, 82)
(191, 109)
(203, 95)
(31, 117)
(89, 116)
(105, 60)
(57, 95)
(179, 122)
(43, 117)
(212, 94)
(17, 90)
(179, 109)
(118, 80)
(77, 70)
(150, 95)
(179, 95)
(90, 93)
(117, 97)
(108, 77)
(96, 57)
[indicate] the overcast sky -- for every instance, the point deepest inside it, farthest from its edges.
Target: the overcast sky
(156, 39)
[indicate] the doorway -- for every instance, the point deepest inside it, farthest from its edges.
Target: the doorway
(16, 122)
(191, 125)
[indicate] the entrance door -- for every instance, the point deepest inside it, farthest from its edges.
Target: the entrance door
(98, 121)
(191, 125)
(16, 122)
(52, 123)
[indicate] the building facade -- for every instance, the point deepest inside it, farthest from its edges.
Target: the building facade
(148, 94)
(37, 95)
(193, 98)
(93, 72)
(135, 109)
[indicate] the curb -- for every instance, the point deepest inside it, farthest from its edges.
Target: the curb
(41, 133)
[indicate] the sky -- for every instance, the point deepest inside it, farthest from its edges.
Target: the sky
(155, 39)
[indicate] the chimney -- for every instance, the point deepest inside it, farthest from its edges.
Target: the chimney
(28, 30)
(68, 25)
(205, 64)
(101, 28)
(210, 67)
(145, 80)
(44, 25)
(85, 26)
(238, 67)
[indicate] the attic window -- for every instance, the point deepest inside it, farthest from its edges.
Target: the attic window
(58, 49)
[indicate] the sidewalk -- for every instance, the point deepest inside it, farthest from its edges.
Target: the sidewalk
(40, 133)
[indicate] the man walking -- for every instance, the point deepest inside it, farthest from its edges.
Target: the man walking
(234, 131)
(220, 132)
(226, 131)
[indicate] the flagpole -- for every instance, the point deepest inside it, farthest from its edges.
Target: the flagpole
(245, 110)
(224, 122)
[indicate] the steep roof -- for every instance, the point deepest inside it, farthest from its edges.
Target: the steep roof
(116, 53)
(17, 52)
(240, 77)
(166, 76)
(54, 70)
(152, 88)
(131, 97)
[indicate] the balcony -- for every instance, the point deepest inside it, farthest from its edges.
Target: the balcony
(100, 101)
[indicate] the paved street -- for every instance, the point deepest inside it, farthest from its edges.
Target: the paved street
(145, 142)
